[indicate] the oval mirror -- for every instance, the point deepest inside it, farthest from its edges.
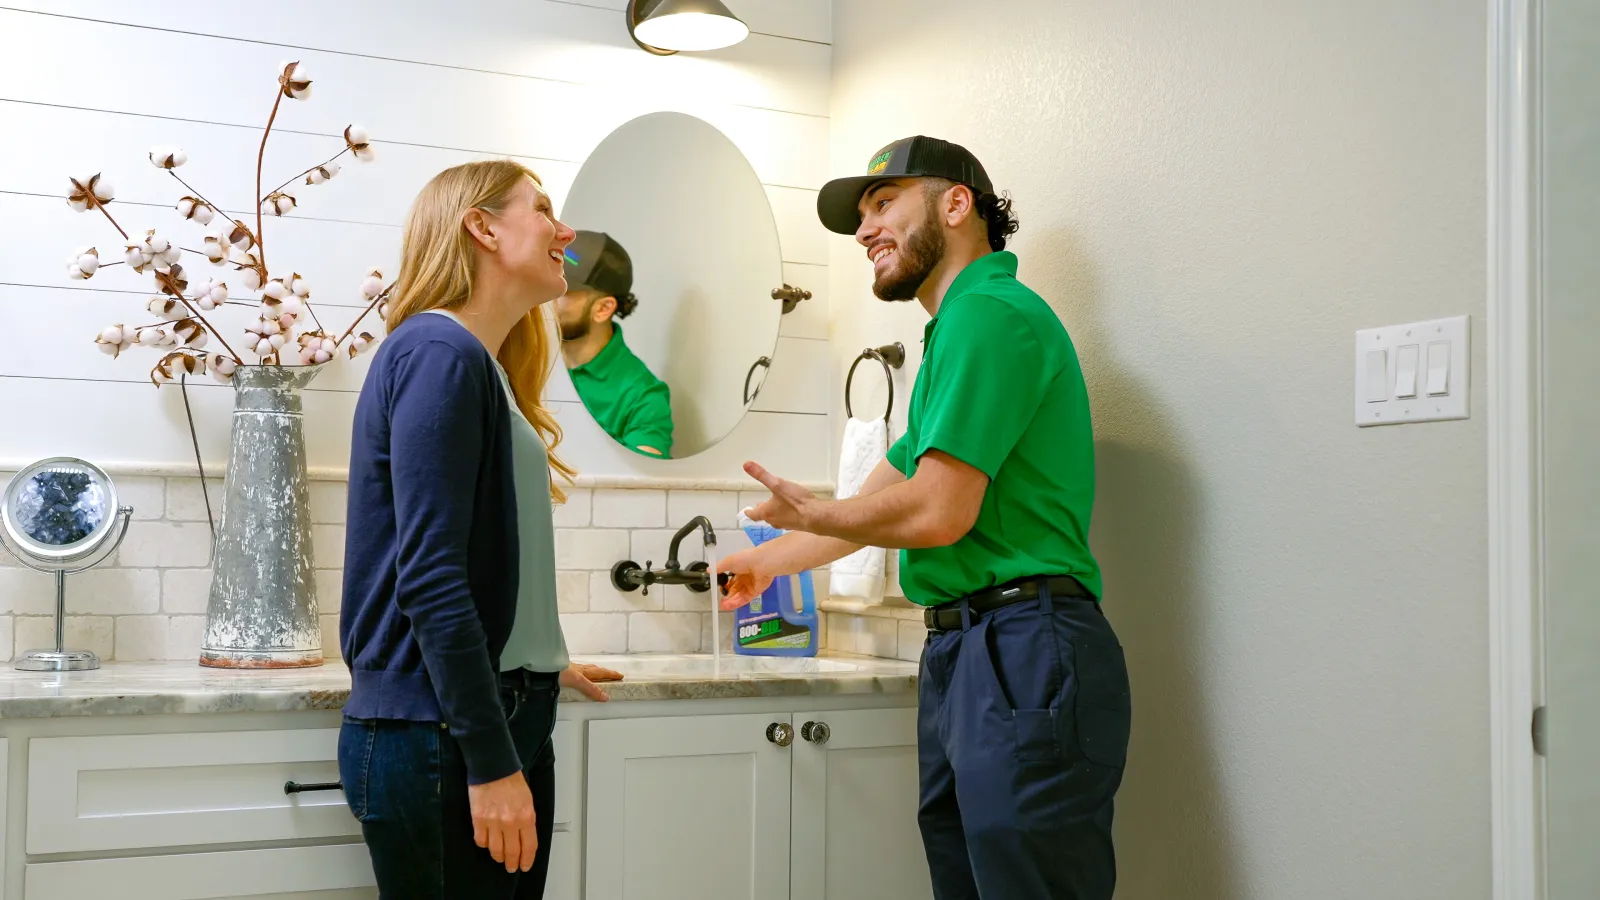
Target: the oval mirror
(669, 322)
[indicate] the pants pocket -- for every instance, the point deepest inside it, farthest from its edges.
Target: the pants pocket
(1103, 706)
(355, 762)
(1037, 738)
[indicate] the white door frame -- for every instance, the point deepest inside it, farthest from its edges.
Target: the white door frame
(1515, 400)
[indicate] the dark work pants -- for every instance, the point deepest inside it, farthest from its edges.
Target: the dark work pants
(1022, 730)
(406, 782)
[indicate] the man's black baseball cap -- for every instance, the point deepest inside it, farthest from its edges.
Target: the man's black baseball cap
(912, 157)
(594, 260)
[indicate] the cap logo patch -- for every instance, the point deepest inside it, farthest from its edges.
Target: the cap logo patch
(879, 162)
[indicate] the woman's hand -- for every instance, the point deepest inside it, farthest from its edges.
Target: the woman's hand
(503, 821)
(581, 677)
(749, 578)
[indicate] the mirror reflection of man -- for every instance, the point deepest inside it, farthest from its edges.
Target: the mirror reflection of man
(619, 390)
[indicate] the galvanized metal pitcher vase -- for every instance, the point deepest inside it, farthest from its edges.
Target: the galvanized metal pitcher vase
(263, 608)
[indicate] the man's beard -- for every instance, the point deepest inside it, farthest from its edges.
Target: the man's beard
(915, 261)
(578, 330)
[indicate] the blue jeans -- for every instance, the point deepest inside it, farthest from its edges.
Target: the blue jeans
(1022, 734)
(406, 782)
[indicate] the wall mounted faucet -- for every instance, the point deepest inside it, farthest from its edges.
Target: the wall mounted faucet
(628, 575)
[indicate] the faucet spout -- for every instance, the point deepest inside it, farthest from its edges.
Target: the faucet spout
(707, 535)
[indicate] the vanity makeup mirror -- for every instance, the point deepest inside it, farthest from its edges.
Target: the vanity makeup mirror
(670, 320)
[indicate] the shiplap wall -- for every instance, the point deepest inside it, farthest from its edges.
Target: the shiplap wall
(90, 85)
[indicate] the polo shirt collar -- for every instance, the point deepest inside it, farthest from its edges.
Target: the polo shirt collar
(1000, 264)
(605, 361)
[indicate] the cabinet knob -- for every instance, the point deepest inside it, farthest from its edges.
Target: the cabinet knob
(816, 732)
(780, 733)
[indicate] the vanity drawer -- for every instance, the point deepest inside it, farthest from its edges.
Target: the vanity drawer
(342, 872)
(126, 792)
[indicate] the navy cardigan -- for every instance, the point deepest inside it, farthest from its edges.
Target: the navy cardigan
(430, 567)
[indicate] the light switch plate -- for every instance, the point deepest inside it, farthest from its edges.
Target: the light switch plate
(1418, 337)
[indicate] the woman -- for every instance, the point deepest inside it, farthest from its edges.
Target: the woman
(449, 622)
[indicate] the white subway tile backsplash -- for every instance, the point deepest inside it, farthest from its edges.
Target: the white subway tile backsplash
(7, 637)
(330, 589)
(327, 546)
(166, 545)
(141, 638)
(590, 633)
(330, 636)
(97, 591)
(664, 632)
(92, 633)
(576, 512)
(707, 638)
(630, 509)
(604, 597)
(146, 495)
(572, 591)
(652, 547)
(912, 637)
(185, 502)
(590, 548)
(328, 502)
(26, 591)
(184, 636)
(678, 598)
(721, 507)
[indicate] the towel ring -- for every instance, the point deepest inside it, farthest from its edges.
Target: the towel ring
(764, 362)
(889, 356)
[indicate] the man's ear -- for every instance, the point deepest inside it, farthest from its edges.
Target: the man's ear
(604, 309)
(959, 205)
(481, 227)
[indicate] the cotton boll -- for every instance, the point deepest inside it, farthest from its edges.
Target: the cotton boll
(187, 206)
(299, 286)
(322, 356)
(277, 341)
(264, 347)
(157, 243)
(307, 357)
(315, 177)
(89, 262)
(253, 328)
(135, 258)
(275, 289)
(355, 134)
(103, 191)
(270, 327)
(249, 278)
(203, 214)
(112, 335)
(222, 365)
(79, 205)
(365, 153)
(172, 254)
(219, 292)
(372, 286)
(111, 350)
(329, 345)
(287, 320)
(205, 303)
(75, 273)
(293, 306)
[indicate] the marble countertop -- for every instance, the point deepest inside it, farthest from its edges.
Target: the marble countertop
(158, 688)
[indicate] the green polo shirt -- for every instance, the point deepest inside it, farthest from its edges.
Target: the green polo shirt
(626, 398)
(1000, 389)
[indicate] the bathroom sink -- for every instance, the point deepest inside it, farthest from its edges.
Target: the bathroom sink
(701, 665)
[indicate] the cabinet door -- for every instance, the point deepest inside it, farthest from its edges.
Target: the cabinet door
(855, 808)
(339, 872)
(687, 808)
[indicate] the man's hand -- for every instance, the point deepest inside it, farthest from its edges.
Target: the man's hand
(789, 505)
(503, 821)
(581, 677)
(749, 579)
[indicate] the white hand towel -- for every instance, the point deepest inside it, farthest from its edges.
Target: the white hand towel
(861, 573)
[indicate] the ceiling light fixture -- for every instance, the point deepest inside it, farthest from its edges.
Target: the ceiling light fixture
(664, 27)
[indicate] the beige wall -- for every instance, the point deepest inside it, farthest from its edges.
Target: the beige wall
(1214, 196)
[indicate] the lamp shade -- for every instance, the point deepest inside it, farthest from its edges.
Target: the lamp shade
(674, 25)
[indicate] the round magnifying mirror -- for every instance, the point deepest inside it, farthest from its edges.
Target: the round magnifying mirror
(58, 512)
(669, 306)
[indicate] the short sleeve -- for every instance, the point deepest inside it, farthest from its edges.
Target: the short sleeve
(650, 422)
(900, 455)
(989, 375)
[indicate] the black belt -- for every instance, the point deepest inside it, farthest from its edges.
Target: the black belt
(947, 616)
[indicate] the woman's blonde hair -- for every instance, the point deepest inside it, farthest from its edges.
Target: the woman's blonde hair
(436, 269)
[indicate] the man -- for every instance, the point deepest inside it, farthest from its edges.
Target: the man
(1023, 705)
(624, 396)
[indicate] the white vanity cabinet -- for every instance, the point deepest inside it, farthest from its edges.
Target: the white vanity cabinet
(810, 797)
(803, 805)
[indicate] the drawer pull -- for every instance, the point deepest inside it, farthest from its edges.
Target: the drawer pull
(295, 787)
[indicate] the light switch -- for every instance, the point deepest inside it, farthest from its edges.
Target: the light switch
(1405, 371)
(1439, 369)
(1377, 376)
